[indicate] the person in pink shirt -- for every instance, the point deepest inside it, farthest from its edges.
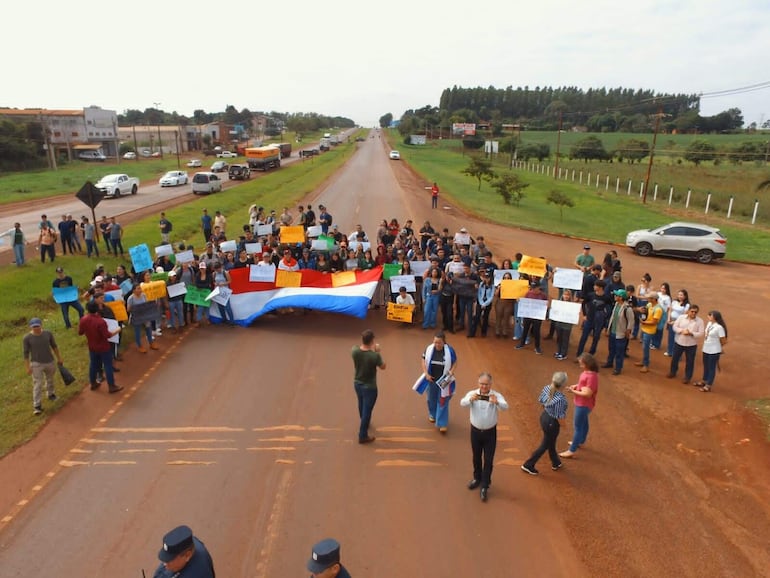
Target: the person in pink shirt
(585, 391)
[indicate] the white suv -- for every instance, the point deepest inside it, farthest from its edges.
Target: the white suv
(206, 183)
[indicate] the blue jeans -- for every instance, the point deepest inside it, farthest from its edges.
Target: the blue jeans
(176, 309)
(438, 407)
(65, 311)
(592, 327)
(138, 333)
(647, 339)
(226, 312)
(617, 352)
(367, 397)
(671, 336)
(117, 244)
(101, 360)
(18, 253)
(202, 312)
(431, 312)
(92, 247)
(710, 361)
(581, 427)
(465, 311)
(689, 360)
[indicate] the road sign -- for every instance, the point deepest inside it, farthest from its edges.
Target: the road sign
(90, 195)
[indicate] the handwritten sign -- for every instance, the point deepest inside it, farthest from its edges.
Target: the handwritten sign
(293, 234)
(288, 278)
(264, 230)
(228, 246)
(343, 278)
(532, 308)
(400, 313)
(534, 266)
(176, 289)
(513, 289)
(262, 273)
(197, 296)
(164, 249)
(314, 231)
(252, 248)
(328, 240)
(65, 294)
(144, 312)
(365, 245)
(565, 311)
(462, 239)
(319, 245)
(159, 276)
(140, 257)
(115, 295)
(185, 256)
(398, 281)
(112, 325)
(420, 267)
(118, 309)
(498, 275)
(390, 269)
(220, 295)
(127, 286)
(568, 278)
(455, 267)
(154, 290)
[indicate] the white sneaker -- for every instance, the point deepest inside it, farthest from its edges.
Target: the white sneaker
(157, 333)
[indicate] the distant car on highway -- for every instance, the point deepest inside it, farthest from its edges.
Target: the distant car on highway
(206, 183)
(239, 172)
(118, 184)
(395, 156)
(219, 167)
(146, 153)
(691, 240)
(227, 155)
(173, 179)
(130, 155)
(92, 156)
(193, 163)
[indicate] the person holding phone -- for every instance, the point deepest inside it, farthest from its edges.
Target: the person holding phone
(554, 411)
(485, 404)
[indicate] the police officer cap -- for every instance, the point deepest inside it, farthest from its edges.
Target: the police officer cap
(324, 554)
(175, 542)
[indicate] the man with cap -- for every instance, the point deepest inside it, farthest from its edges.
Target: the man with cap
(585, 260)
(39, 348)
(184, 556)
(325, 560)
(63, 281)
(619, 330)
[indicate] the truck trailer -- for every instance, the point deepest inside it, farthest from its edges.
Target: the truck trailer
(263, 158)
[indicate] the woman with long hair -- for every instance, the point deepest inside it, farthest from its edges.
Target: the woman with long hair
(554, 410)
(585, 391)
(714, 338)
(679, 306)
(430, 293)
(503, 309)
(664, 300)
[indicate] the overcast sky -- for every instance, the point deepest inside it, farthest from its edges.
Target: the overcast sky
(361, 59)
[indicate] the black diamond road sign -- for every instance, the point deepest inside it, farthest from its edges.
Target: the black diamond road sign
(90, 195)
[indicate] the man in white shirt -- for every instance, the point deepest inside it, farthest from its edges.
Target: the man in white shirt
(484, 403)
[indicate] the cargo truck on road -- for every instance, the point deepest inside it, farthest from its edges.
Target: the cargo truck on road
(263, 158)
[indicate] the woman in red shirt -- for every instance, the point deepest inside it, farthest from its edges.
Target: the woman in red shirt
(585, 391)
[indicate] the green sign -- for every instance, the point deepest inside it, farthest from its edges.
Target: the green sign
(197, 296)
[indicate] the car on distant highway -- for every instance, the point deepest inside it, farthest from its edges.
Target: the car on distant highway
(117, 184)
(679, 239)
(146, 153)
(206, 183)
(92, 156)
(227, 155)
(239, 172)
(193, 163)
(219, 167)
(174, 179)
(130, 155)
(395, 156)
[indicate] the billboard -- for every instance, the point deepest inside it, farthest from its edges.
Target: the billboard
(463, 129)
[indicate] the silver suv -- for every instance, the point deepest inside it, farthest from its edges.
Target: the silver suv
(206, 183)
(690, 240)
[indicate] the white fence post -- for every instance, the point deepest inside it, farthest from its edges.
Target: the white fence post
(629, 187)
(597, 180)
(617, 184)
(754, 215)
(588, 180)
(708, 202)
(655, 194)
(670, 194)
(687, 203)
(581, 177)
(641, 189)
(573, 175)
(730, 206)
(607, 183)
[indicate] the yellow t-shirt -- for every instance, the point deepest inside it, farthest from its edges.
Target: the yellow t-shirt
(650, 324)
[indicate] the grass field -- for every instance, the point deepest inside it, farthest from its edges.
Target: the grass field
(597, 214)
(27, 290)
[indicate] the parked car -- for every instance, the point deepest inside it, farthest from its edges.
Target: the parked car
(227, 155)
(700, 242)
(156, 155)
(173, 179)
(146, 153)
(239, 172)
(206, 183)
(92, 156)
(219, 167)
(130, 155)
(194, 163)
(395, 156)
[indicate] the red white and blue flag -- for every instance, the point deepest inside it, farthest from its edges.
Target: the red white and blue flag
(318, 291)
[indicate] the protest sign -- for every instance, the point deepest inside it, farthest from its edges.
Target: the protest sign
(159, 276)
(398, 281)
(314, 231)
(291, 235)
(140, 257)
(262, 273)
(498, 275)
(534, 266)
(568, 278)
(220, 295)
(343, 278)
(566, 311)
(112, 325)
(154, 290)
(118, 309)
(252, 248)
(65, 294)
(144, 312)
(390, 269)
(513, 289)
(532, 308)
(197, 296)
(185, 257)
(264, 230)
(164, 249)
(419, 268)
(228, 247)
(400, 313)
(176, 289)
(288, 278)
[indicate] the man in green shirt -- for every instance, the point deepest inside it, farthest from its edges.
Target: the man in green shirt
(366, 360)
(585, 260)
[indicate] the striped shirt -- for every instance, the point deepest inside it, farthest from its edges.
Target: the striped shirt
(556, 407)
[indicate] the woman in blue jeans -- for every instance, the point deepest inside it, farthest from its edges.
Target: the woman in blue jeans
(714, 337)
(431, 293)
(585, 391)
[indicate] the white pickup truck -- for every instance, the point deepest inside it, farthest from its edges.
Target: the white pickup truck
(226, 155)
(116, 185)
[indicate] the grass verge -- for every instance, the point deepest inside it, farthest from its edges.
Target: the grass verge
(762, 408)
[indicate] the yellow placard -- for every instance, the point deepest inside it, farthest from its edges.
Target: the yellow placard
(154, 290)
(118, 309)
(288, 278)
(293, 234)
(400, 313)
(534, 266)
(343, 278)
(513, 288)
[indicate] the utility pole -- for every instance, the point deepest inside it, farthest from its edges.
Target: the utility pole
(652, 153)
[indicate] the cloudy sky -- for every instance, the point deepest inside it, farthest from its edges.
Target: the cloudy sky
(362, 59)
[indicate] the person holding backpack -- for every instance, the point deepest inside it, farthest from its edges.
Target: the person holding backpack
(652, 314)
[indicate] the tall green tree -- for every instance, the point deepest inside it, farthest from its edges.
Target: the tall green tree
(699, 151)
(589, 148)
(386, 119)
(510, 186)
(633, 150)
